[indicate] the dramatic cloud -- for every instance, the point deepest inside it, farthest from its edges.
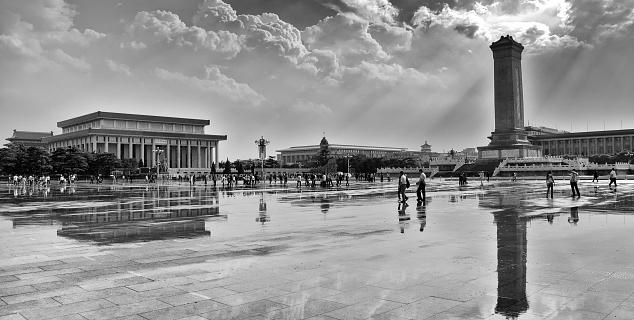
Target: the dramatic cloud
(40, 34)
(216, 82)
(384, 72)
(539, 24)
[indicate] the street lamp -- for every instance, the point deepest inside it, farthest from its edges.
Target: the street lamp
(262, 152)
(157, 156)
(348, 167)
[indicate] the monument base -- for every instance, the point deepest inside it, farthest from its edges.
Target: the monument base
(512, 151)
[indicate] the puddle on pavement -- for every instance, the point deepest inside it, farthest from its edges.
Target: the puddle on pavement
(508, 216)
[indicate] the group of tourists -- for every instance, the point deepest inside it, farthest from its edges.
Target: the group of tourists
(403, 185)
(574, 180)
(30, 181)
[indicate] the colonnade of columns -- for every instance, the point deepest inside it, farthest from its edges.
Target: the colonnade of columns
(587, 146)
(175, 153)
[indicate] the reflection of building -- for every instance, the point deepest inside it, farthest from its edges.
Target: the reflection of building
(185, 146)
(137, 231)
(302, 154)
(511, 244)
(29, 138)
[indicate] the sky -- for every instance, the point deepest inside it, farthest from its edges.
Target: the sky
(369, 72)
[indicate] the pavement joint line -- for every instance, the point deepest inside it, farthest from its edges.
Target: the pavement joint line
(200, 295)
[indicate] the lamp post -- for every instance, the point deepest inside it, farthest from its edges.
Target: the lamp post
(262, 153)
(157, 156)
(348, 167)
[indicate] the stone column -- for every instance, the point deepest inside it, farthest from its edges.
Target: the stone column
(178, 154)
(216, 152)
(94, 144)
(153, 153)
(106, 145)
(198, 156)
(118, 148)
(143, 150)
(130, 147)
(169, 153)
(189, 154)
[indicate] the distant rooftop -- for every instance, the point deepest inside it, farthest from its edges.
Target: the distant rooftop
(127, 116)
(29, 135)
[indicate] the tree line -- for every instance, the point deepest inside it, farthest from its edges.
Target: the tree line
(22, 160)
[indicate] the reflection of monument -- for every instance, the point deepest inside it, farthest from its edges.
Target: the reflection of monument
(511, 243)
(263, 217)
(509, 140)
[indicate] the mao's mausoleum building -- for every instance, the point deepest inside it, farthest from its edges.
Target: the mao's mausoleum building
(178, 145)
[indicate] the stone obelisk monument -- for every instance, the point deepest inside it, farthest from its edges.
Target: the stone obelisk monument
(509, 140)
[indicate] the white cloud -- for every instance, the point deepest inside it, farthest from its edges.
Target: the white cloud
(163, 27)
(214, 82)
(347, 36)
(374, 10)
(118, 67)
(313, 108)
(538, 24)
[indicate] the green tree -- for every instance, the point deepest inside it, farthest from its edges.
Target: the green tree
(271, 162)
(69, 160)
(227, 167)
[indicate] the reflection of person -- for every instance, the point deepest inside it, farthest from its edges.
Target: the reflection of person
(550, 217)
(574, 177)
(574, 215)
(550, 182)
(402, 216)
(421, 210)
(420, 191)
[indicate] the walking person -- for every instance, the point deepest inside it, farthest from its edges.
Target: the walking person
(550, 183)
(420, 191)
(403, 184)
(612, 178)
(574, 177)
(595, 176)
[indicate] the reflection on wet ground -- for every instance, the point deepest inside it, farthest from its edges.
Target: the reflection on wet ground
(500, 251)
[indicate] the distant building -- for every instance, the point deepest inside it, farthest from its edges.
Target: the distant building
(179, 145)
(29, 138)
(538, 131)
(303, 154)
(585, 144)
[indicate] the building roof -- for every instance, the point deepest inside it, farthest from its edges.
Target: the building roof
(29, 135)
(93, 131)
(588, 134)
(127, 116)
(342, 146)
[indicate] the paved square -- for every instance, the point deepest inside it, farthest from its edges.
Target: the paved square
(173, 252)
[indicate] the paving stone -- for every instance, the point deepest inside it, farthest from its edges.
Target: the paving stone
(92, 295)
(308, 309)
(12, 317)
(67, 309)
(196, 308)
(364, 310)
(17, 307)
(16, 290)
(184, 298)
(246, 297)
(41, 295)
(125, 310)
(144, 295)
(251, 309)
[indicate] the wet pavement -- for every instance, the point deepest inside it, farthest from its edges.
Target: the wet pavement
(500, 251)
